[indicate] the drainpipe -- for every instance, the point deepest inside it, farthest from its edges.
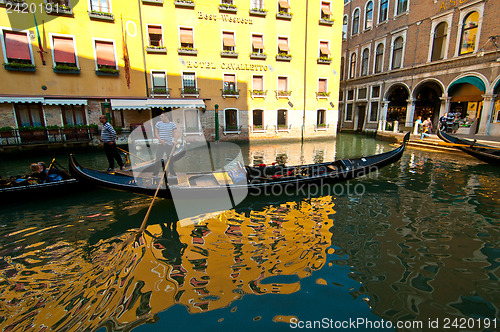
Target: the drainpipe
(143, 49)
(305, 75)
(216, 122)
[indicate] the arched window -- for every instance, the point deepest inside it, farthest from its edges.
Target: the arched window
(352, 70)
(364, 62)
(344, 27)
(369, 15)
(383, 10)
(355, 22)
(379, 58)
(469, 33)
(439, 43)
(397, 53)
(402, 6)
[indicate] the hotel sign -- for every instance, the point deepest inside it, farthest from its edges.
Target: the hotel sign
(227, 66)
(450, 3)
(224, 18)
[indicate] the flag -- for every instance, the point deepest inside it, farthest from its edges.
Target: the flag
(126, 59)
(41, 51)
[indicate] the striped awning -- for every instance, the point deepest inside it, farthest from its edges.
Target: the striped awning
(22, 100)
(65, 101)
(140, 104)
(129, 104)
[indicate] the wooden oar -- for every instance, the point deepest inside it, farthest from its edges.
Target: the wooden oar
(469, 146)
(130, 154)
(48, 169)
(145, 221)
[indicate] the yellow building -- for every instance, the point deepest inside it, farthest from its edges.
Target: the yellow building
(267, 68)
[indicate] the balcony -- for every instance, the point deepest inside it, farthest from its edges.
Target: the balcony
(228, 93)
(231, 129)
(258, 56)
(322, 95)
(284, 15)
(66, 69)
(159, 92)
(228, 8)
(190, 92)
(57, 8)
(258, 12)
(326, 21)
(153, 2)
(324, 60)
(50, 134)
(258, 94)
(283, 128)
(16, 66)
(321, 127)
(283, 94)
(284, 57)
(258, 129)
(102, 16)
(229, 54)
(187, 51)
(156, 49)
(184, 3)
(105, 71)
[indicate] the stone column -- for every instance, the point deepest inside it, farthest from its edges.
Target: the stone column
(445, 105)
(486, 114)
(410, 112)
(383, 114)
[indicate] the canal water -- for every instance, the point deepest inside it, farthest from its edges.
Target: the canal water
(413, 247)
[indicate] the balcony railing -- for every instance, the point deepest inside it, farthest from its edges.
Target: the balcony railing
(184, 3)
(258, 12)
(258, 56)
(324, 60)
(284, 15)
(326, 21)
(258, 93)
(160, 92)
(156, 49)
(229, 54)
(187, 51)
(284, 57)
(283, 94)
(322, 95)
(231, 129)
(190, 92)
(45, 136)
(227, 93)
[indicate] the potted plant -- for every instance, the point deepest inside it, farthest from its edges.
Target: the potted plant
(118, 129)
(6, 132)
(93, 128)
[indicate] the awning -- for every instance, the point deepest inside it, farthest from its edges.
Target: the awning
(141, 104)
(129, 104)
(65, 101)
(176, 103)
(477, 82)
(24, 100)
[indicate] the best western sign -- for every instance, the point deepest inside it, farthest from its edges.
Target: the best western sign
(224, 18)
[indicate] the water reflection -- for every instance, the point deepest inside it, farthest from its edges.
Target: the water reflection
(123, 281)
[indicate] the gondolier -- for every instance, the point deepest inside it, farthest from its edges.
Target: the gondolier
(166, 133)
(108, 137)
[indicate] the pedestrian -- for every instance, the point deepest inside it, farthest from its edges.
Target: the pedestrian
(108, 137)
(442, 122)
(428, 123)
(450, 119)
(166, 133)
(426, 128)
(418, 125)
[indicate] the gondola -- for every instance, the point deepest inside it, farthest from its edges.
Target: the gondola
(483, 152)
(239, 179)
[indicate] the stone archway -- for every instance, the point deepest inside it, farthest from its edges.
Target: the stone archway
(397, 96)
(427, 101)
(467, 101)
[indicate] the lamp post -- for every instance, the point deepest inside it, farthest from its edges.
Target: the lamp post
(216, 122)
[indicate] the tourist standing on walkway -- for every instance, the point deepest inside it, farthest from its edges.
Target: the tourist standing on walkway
(108, 137)
(426, 128)
(166, 133)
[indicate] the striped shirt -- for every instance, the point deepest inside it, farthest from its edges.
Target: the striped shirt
(165, 131)
(108, 133)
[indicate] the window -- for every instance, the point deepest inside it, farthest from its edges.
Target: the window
(282, 84)
(192, 121)
(283, 6)
(376, 92)
(228, 2)
(257, 4)
(257, 44)
(439, 42)
(258, 119)
(186, 37)
(322, 86)
(362, 93)
(105, 54)
(228, 43)
(159, 80)
(64, 51)
(282, 119)
(324, 50)
(258, 83)
(29, 115)
(352, 70)
(397, 53)
(383, 11)
(350, 95)
(348, 112)
(321, 118)
(344, 27)
(189, 83)
(231, 120)
(469, 33)
(155, 36)
(229, 83)
(402, 7)
(374, 111)
(73, 115)
(355, 22)
(326, 12)
(379, 58)
(103, 6)
(283, 48)
(17, 47)
(364, 62)
(369, 15)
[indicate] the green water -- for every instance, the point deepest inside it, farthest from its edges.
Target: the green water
(417, 244)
